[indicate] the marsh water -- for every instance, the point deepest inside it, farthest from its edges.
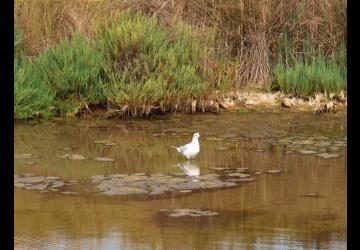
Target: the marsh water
(69, 201)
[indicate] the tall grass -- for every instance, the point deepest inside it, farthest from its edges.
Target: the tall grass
(306, 78)
(18, 43)
(309, 72)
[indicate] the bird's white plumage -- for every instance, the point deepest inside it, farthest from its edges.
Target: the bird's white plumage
(191, 149)
(190, 169)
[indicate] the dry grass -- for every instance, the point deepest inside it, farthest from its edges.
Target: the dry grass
(46, 22)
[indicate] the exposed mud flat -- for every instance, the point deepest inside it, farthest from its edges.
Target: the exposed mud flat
(44, 184)
(120, 184)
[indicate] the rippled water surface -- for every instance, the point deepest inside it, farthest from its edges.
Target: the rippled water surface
(64, 202)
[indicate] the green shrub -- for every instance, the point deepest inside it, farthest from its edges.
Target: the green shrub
(31, 95)
(73, 69)
(146, 63)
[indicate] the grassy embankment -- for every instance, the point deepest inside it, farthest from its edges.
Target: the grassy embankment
(72, 53)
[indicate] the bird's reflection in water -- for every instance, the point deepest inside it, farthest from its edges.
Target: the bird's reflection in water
(189, 168)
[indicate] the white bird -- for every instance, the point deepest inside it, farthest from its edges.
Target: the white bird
(191, 149)
(190, 169)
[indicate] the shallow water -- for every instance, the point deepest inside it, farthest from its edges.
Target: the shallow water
(302, 207)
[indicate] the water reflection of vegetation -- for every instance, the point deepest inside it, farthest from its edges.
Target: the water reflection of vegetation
(138, 150)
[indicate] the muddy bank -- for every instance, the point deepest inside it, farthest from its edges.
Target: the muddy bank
(254, 101)
(242, 101)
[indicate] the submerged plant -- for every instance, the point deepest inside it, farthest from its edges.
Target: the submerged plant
(243, 110)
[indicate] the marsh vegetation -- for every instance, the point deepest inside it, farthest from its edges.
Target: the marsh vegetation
(140, 57)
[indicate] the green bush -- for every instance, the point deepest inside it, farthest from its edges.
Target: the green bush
(73, 69)
(146, 63)
(133, 60)
(31, 95)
